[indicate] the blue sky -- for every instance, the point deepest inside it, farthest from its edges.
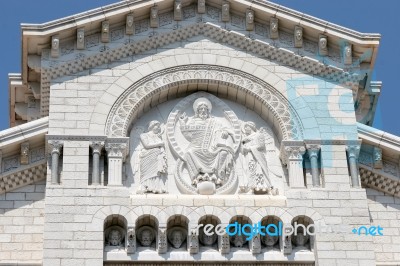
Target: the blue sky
(361, 15)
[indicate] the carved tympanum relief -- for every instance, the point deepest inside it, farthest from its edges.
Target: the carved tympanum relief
(205, 149)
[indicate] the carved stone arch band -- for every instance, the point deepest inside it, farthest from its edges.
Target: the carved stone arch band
(131, 103)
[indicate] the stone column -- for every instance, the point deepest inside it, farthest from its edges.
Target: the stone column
(117, 149)
(130, 240)
(55, 151)
(313, 151)
(96, 146)
(293, 158)
(352, 154)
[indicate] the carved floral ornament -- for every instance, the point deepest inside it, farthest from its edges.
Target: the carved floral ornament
(125, 108)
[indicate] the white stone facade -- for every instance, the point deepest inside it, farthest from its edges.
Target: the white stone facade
(162, 117)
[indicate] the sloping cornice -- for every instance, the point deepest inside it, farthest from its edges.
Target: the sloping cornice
(379, 138)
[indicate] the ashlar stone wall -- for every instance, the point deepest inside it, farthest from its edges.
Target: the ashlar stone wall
(21, 224)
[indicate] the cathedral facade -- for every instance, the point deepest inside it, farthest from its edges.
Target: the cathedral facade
(187, 132)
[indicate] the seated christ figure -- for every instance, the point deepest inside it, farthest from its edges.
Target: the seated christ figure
(209, 156)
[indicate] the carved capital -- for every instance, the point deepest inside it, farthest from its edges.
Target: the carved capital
(97, 146)
(55, 146)
(117, 147)
(313, 150)
(353, 150)
(295, 152)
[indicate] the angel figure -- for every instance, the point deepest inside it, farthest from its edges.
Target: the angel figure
(153, 160)
(255, 163)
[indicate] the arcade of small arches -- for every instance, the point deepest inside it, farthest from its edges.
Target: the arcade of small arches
(183, 233)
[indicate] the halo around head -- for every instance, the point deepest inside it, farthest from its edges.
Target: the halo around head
(201, 101)
(251, 124)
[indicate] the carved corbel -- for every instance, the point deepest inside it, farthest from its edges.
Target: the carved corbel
(323, 45)
(348, 54)
(162, 240)
(294, 151)
(274, 28)
(130, 240)
(105, 31)
(226, 12)
(178, 10)
(201, 6)
(298, 36)
(377, 156)
(24, 158)
(55, 46)
(80, 39)
(249, 20)
(130, 25)
(117, 149)
(154, 17)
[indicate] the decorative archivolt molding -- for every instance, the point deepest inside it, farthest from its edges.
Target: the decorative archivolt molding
(126, 108)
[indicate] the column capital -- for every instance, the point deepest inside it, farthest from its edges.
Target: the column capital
(117, 147)
(313, 150)
(97, 146)
(353, 149)
(292, 150)
(55, 146)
